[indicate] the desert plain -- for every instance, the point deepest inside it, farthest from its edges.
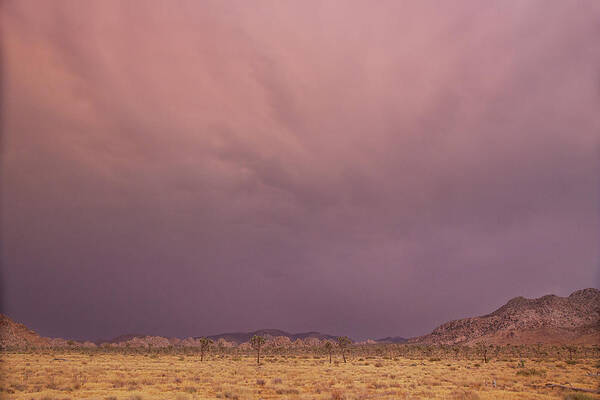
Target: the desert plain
(62, 375)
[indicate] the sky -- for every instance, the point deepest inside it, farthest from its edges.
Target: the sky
(367, 169)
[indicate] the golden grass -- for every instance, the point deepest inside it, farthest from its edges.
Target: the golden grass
(145, 377)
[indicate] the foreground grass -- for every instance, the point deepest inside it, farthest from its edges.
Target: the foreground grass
(146, 377)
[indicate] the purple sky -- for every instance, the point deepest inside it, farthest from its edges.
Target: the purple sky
(369, 169)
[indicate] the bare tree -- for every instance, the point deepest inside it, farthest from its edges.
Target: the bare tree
(343, 342)
(483, 350)
(257, 342)
(329, 348)
(204, 346)
(572, 351)
(456, 351)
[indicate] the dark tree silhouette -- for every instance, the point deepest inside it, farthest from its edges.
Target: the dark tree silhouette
(483, 350)
(204, 346)
(572, 351)
(343, 342)
(257, 342)
(329, 348)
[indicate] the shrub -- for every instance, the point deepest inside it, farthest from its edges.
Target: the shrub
(532, 372)
(337, 395)
(464, 395)
(287, 391)
(578, 396)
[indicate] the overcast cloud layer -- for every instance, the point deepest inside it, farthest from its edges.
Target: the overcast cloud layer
(369, 169)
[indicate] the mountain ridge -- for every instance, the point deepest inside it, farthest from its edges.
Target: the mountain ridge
(548, 319)
(241, 337)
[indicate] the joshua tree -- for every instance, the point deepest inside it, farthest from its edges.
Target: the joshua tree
(497, 351)
(204, 346)
(343, 342)
(257, 342)
(329, 348)
(572, 351)
(456, 350)
(398, 348)
(483, 350)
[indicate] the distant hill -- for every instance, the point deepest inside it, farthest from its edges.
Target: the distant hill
(15, 335)
(122, 338)
(548, 319)
(241, 337)
(234, 338)
(392, 339)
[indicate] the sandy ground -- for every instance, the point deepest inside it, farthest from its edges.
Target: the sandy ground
(151, 376)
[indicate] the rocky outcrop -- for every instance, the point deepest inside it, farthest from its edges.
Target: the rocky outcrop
(15, 335)
(281, 342)
(548, 319)
(270, 334)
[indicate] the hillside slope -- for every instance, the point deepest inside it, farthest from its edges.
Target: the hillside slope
(13, 334)
(548, 319)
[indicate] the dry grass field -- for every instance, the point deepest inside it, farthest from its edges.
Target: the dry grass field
(106, 376)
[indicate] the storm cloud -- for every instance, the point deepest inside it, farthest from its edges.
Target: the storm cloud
(368, 169)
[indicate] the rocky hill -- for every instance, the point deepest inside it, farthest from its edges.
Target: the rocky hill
(13, 334)
(548, 319)
(122, 338)
(241, 337)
